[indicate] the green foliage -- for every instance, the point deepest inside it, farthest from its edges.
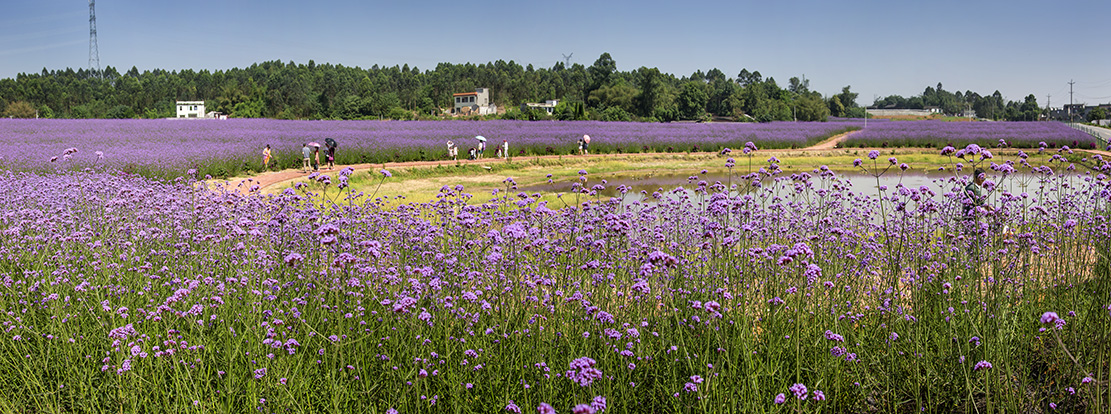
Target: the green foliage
(46, 112)
(855, 112)
(811, 108)
(692, 101)
(1097, 114)
(400, 113)
(570, 111)
(20, 109)
(251, 109)
(282, 90)
(835, 107)
(121, 112)
(621, 94)
(615, 113)
(847, 97)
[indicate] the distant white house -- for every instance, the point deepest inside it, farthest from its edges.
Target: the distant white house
(548, 106)
(473, 103)
(195, 110)
(190, 109)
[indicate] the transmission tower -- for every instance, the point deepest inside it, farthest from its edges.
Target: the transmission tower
(1070, 99)
(94, 50)
(567, 60)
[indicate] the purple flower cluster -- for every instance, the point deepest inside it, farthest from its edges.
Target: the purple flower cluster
(983, 134)
(680, 297)
(167, 147)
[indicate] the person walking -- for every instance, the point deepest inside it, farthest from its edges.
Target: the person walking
(970, 217)
(505, 148)
(452, 150)
(586, 144)
(481, 148)
(580, 146)
(331, 157)
(266, 158)
(974, 195)
(316, 159)
(306, 153)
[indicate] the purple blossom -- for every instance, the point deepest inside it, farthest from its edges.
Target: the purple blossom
(1050, 317)
(982, 365)
(799, 390)
(545, 408)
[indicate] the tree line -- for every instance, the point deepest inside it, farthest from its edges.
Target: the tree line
(987, 106)
(310, 91)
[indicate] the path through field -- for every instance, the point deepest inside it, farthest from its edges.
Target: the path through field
(268, 179)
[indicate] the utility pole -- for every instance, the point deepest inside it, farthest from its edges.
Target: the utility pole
(1047, 108)
(1070, 99)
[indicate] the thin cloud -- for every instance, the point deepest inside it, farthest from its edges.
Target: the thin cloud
(40, 34)
(9, 52)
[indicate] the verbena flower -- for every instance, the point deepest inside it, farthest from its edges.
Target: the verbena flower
(1049, 317)
(982, 365)
(799, 390)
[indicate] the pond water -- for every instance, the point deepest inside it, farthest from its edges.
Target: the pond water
(939, 182)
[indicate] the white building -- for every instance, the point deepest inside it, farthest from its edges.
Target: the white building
(473, 103)
(548, 106)
(190, 109)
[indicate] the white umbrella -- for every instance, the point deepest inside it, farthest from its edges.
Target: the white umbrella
(480, 138)
(586, 139)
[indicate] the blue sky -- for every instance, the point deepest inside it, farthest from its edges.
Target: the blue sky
(878, 47)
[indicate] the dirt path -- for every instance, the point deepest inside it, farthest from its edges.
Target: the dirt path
(830, 143)
(268, 179)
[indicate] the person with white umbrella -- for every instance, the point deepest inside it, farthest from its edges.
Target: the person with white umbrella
(452, 150)
(316, 152)
(586, 145)
(481, 145)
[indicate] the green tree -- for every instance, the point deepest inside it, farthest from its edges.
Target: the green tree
(1029, 109)
(45, 112)
(121, 112)
(601, 71)
(692, 101)
(835, 106)
(1097, 114)
(615, 113)
(811, 108)
(847, 97)
(652, 91)
(620, 94)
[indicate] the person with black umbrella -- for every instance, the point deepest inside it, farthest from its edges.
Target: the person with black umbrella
(331, 144)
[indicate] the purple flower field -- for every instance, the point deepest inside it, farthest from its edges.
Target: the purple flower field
(167, 148)
(788, 293)
(937, 134)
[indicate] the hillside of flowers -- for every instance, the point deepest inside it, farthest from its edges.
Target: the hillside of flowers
(167, 148)
(785, 293)
(937, 134)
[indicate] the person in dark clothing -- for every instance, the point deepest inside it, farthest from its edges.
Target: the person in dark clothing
(974, 194)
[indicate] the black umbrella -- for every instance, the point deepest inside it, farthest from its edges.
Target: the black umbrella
(331, 143)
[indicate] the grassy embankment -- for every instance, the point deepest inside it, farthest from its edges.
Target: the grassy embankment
(422, 183)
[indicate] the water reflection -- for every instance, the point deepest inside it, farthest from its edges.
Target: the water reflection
(640, 186)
